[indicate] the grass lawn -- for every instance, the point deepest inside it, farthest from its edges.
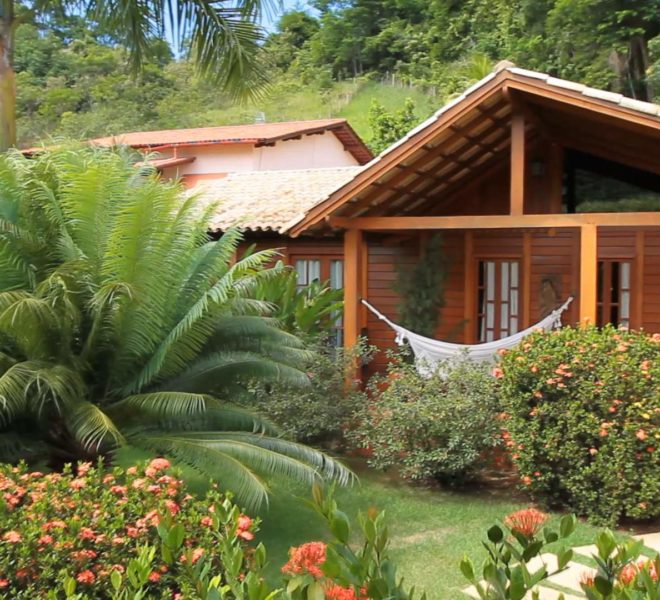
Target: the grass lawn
(430, 530)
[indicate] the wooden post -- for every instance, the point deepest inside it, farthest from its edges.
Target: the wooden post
(470, 290)
(526, 280)
(352, 281)
(517, 201)
(588, 274)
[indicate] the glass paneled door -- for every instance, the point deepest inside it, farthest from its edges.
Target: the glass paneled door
(498, 303)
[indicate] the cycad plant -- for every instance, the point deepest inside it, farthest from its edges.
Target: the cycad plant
(123, 323)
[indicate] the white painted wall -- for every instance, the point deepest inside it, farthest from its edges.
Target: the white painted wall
(309, 152)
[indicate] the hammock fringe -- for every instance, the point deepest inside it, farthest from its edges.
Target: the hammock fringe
(429, 352)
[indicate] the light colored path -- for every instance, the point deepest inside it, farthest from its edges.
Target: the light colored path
(569, 578)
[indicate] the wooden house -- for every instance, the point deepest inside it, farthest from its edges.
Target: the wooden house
(540, 187)
(503, 171)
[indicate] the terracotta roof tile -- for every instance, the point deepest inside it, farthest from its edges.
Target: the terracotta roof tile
(269, 200)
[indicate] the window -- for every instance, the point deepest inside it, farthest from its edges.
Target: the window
(498, 302)
(308, 271)
(324, 268)
(614, 281)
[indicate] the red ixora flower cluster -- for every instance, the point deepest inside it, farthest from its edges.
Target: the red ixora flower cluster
(307, 558)
(631, 570)
(88, 521)
(337, 592)
(526, 522)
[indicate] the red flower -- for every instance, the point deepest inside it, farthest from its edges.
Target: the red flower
(527, 521)
(154, 576)
(86, 576)
(4, 583)
(336, 592)
(307, 558)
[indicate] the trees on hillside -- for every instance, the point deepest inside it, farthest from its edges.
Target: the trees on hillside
(122, 323)
(223, 38)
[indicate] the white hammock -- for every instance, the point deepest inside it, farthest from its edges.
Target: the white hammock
(429, 353)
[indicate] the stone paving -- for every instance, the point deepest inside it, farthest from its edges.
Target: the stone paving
(569, 579)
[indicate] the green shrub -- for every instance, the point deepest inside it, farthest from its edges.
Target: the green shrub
(584, 414)
(115, 534)
(322, 411)
(518, 553)
(435, 427)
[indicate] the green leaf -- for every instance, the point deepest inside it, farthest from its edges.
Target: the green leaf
(315, 591)
(467, 568)
(495, 534)
(567, 525)
(340, 526)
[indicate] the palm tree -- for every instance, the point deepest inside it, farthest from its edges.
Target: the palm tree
(122, 323)
(223, 38)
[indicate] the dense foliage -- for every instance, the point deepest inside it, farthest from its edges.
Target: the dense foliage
(584, 419)
(326, 409)
(73, 77)
(121, 322)
(441, 426)
(311, 311)
(115, 534)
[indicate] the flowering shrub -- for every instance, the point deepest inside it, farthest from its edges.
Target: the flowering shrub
(584, 419)
(92, 531)
(507, 573)
(339, 570)
(517, 563)
(430, 427)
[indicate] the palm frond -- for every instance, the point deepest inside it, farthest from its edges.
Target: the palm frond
(248, 487)
(91, 427)
(217, 371)
(160, 405)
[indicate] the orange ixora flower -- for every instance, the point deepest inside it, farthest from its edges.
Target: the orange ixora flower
(527, 521)
(307, 558)
(13, 537)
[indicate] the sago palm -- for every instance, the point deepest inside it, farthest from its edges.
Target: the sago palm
(121, 322)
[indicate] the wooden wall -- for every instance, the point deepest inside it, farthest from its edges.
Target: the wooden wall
(553, 262)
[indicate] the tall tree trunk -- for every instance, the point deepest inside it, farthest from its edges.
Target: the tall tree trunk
(7, 77)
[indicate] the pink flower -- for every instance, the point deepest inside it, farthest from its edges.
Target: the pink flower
(78, 484)
(12, 537)
(4, 583)
(158, 464)
(497, 373)
(172, 506)
(641, 435)
(154, 576)
(206, 521)
(86, 533)
(131, 471)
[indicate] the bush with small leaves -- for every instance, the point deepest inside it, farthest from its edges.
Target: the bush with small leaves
(583, 408)
(442, 426)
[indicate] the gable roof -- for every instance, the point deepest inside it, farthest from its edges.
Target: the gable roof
(472, 131)
(269, 200)
(258, 134)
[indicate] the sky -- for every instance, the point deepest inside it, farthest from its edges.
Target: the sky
(282, 6)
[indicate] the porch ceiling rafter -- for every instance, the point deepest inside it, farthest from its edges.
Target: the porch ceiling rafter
(638, 219)
(453, 164)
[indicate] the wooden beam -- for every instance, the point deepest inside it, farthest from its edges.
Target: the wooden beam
(526, 280)
(364, 282)
(632, 219)
(469, 290)
(352, 285)
(588, 274)
(406, 171)
(555, 177)
(517, 198)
